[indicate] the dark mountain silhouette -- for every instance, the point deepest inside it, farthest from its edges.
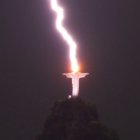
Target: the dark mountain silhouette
(74, 119)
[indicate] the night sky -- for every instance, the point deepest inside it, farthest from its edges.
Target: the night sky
(33, 57)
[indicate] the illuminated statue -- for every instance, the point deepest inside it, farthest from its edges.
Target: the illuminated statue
(75, 76)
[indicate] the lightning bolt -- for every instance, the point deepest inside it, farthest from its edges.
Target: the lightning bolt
(65, 34)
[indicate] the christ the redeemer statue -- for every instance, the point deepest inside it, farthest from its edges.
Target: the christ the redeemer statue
(75, 76)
